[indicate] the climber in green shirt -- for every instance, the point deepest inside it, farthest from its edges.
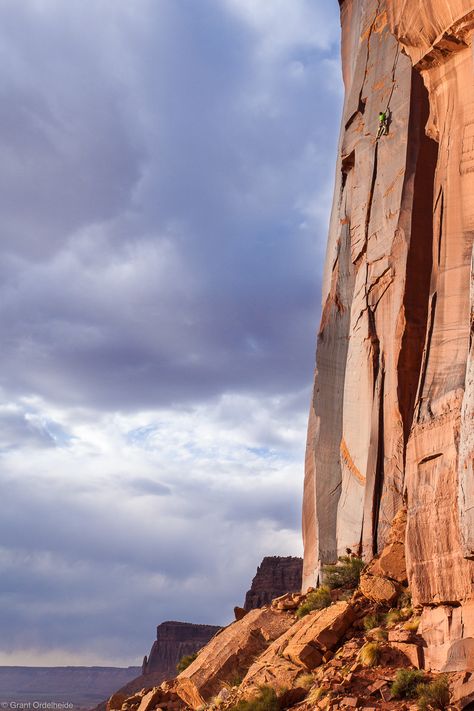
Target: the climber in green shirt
(383, 124)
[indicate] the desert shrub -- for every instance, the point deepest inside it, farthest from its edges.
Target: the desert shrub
(412, 625)
(371, 621)
(405, 599)
(392, 617)
(345, 574)
(369, 655)
(316, 694)
(185, 661)
(316, 600)
(380, 634)
(266, 700)
(406, 683)
(306, 681)
(434, 695)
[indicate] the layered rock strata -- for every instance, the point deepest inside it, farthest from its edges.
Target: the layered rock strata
(391, 421)
(275, 576)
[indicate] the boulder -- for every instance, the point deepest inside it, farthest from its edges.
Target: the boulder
(150, 699)
(239, 613)
(412, 652)
(115, 702)
(271, 668)
(230, 654)
(391, 563)
(318, 633)
(400, 635)
(186, 690)
(379, 589)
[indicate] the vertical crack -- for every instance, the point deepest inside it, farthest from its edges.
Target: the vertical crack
(419, 263)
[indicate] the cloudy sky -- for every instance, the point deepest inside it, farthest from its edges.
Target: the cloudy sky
(166, 175)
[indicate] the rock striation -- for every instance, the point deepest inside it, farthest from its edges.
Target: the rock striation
(275, 576)
(392, 415)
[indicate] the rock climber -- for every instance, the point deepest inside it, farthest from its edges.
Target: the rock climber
(383, 124)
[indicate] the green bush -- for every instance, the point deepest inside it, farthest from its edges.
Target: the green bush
(406, 683)
(266, 700)
(434, 695)
(185, 661)
(345, 574)
(316, 600)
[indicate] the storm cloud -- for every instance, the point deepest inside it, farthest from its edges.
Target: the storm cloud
(166, 174)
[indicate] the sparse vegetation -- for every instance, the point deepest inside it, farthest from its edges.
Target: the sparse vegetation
(412, 625)
(306, 681)
(392, 617)
(369, 655)
(379, 634)
(371, 621)
(316, 600)
(405, 599)
(185, 661)
(345, 574)
(316, 694)
(266, 700)
(434, 695)
(406, 683)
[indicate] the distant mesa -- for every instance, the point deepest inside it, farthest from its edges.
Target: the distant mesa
(275, 576)
(175, 640)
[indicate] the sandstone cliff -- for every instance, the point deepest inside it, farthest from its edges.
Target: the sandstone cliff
(391, 421)
(275, 576)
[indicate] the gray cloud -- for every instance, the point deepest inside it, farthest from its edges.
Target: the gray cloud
(165, 185)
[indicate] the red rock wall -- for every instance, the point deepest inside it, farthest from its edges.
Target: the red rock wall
(393, 407)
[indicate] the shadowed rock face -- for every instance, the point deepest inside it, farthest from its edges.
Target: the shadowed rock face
(275, 576)
(391, 421)
(174, 640)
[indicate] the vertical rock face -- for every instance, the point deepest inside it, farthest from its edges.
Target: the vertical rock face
(275, 576)
(391, 421)
(173, 641)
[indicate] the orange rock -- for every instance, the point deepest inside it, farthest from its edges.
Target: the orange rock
(393, 408)
(239, 613)
(449, 635)
(463, 693)
(413, 653)
(150, 699)
(271, 668)
(317, 633)
(115, 702)
(391, 563)
(186, 690)
(378, 589)
(230, 653)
